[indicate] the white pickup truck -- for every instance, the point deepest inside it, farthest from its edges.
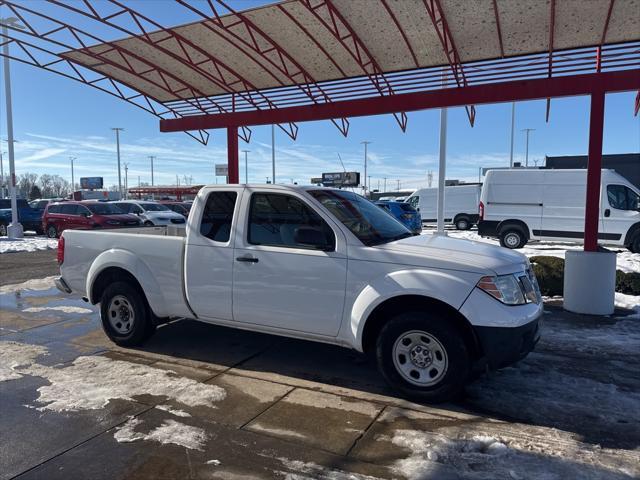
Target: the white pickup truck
(318, 264)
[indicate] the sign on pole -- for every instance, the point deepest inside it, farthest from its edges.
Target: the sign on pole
(222, 170)
(341, 179)
(91, 183)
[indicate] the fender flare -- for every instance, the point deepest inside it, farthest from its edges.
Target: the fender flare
(437, 285)
(131, 263)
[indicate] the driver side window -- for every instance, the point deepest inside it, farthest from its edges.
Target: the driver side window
(622, 197)
(277, 219)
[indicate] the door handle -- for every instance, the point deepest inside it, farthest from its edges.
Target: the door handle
(607, 213)
(247, 259)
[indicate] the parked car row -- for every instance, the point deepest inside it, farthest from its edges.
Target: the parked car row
(84, 215)
(30, 218)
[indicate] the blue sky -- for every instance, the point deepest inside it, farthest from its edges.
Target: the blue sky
(55, 118)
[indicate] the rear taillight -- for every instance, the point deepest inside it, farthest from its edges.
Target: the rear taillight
(60, 250)
(481, 211)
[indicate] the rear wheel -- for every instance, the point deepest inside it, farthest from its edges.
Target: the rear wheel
(512, 237)
(126, 316)
(3, 230)
(52, 231)
(463, 223)
(423, 356)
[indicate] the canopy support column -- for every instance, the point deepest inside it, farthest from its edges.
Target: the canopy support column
(232, 155)
(594, 167)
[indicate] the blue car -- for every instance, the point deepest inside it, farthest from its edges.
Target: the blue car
(30, 218)
(404, 213)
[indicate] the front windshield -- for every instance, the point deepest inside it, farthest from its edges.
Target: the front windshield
(153, 207)
(367, 221)
(104, 209)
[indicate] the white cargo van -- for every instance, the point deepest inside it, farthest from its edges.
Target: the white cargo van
(519, 205)
(460, 204)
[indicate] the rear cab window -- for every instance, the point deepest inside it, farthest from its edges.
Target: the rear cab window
(217, 216)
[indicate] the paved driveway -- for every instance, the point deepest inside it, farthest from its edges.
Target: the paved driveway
(201, 401)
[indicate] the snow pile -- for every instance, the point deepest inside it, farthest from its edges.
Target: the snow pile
(91, 382)
(312, 471)
(170, 431)
(60, 308)
(487, 457)
(631, 302)
(14, 356)
(429, 450)
(38, 284)
(27, 244)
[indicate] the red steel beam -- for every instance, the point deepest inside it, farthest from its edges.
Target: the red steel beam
(402, 32)
(594, 170)
(439, 21)
(232, 155)
(570, 85)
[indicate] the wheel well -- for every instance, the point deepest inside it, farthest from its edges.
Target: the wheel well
(633, 231)
(514, 223)
(110, 275)
(461, 215)
(409, 303)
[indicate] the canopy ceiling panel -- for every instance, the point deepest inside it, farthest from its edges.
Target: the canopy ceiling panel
(299, 41)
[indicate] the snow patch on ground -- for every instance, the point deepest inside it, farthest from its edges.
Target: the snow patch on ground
(60, 308)
(312, 471)
(486, 457)
(90, 382)
(631, 302)
(170, 431)
(14, 356)
(38, 284)
(173, 411)
(214, 462)
(27, 244)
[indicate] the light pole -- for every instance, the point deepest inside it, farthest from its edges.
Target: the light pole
(118, 130)
(526, 154)
(365, 143)
(126, 180)
(73, 180)
(513, 124)
(246, 166)
(152, 158)
(14, 230)
(1, 174)
(385, 184)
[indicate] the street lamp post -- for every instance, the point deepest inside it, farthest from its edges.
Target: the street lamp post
(73, 180)
(526, 155)
(246, 166)
(152, 158)
(1, 174)
(273, 153)
(126, 180)
(513, 124)
(118, 130)
(14, 230)
(365, 143)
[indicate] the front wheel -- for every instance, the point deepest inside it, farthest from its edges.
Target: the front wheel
(52, 231)
(423, 356)
(126, 316)
(634, 247)
(463, 223)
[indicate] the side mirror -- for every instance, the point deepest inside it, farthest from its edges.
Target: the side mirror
(311, 237)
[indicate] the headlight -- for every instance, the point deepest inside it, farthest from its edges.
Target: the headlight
(505, 288)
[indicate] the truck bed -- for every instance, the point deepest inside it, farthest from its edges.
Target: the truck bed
(154, 255)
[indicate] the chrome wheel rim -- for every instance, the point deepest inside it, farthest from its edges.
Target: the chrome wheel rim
(462, 225)
(420, 358)
(51, 232)
(512, 240)
(3, 230)
(121, 314)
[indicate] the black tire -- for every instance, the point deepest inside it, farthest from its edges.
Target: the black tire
(136, 322)
(39, 231)
(52, 231)
(512, 237)
(148, 224)
(3, 230)
(634, 247)
(453, 376)
(463, 223)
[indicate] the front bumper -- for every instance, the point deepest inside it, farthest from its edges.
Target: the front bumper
(503, 346)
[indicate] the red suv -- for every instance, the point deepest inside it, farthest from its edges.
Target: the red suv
(61, 216)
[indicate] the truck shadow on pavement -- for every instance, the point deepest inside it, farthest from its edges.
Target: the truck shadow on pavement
(581, 378)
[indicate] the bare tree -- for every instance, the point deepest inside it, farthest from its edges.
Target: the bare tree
(26, 181)
(46, 185)
(59, 186)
